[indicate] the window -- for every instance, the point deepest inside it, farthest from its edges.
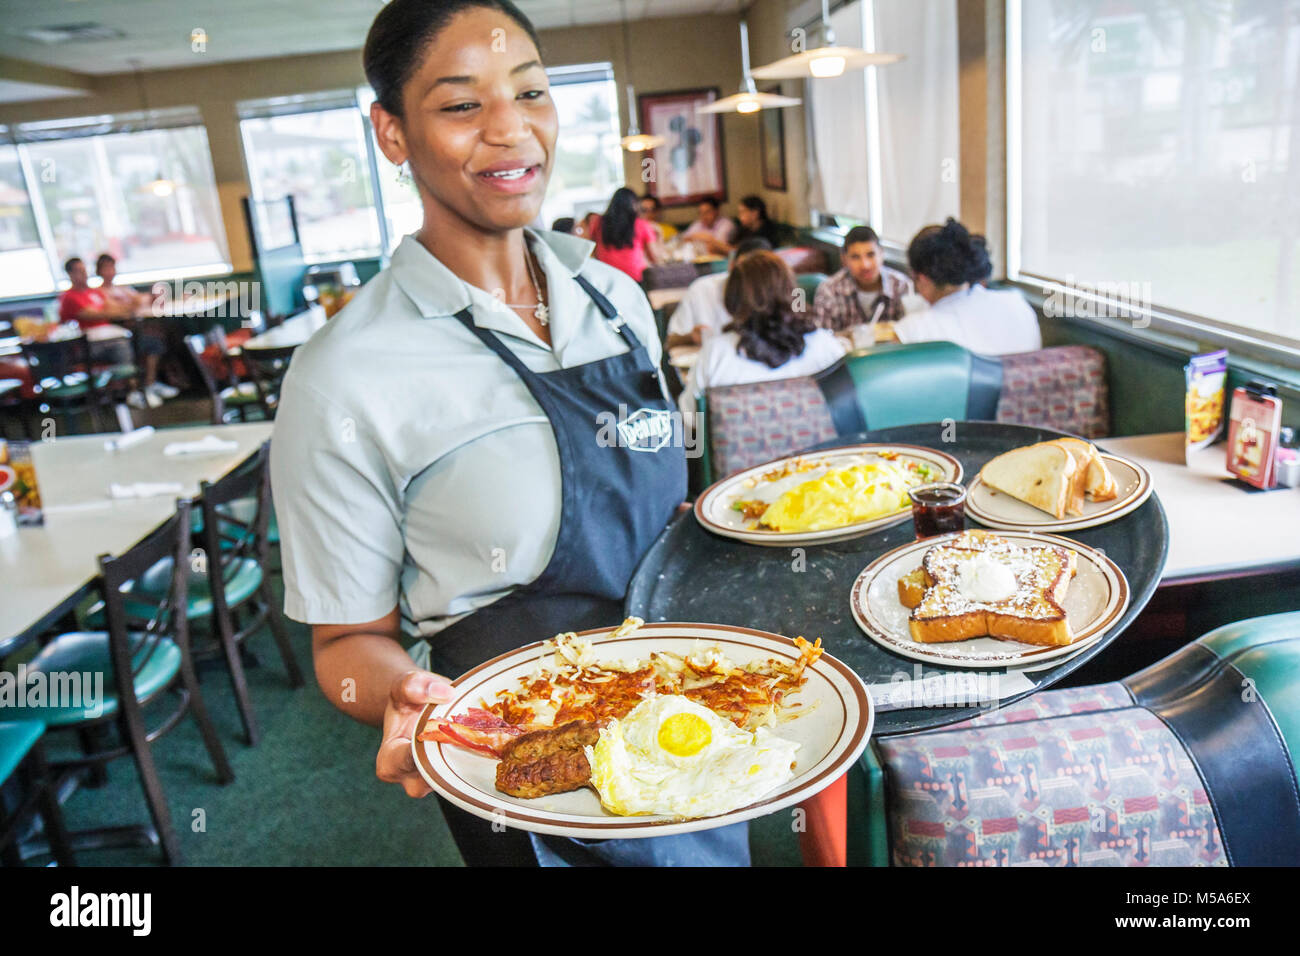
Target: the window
(24, 266)
(588, 163)
(314, 148)
(1153, 148)
(885, 140)
(137, 186)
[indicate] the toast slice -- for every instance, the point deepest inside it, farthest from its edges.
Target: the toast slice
(1100, 484)
(1041, 475)
(1033, 614)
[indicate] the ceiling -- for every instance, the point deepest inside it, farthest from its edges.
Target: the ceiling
(158, 32)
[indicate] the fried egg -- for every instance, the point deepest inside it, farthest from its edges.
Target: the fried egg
(841, 497)
(674, 757)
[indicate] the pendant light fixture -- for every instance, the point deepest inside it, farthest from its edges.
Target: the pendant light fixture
(825, 61)
(160, 185)
(635, 141)
(748, 100)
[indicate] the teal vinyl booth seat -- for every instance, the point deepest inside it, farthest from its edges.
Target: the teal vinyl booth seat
(1190, 762)
(743, 425)
(739, 426)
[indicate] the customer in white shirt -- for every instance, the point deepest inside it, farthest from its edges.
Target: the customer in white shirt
(766, 339)
(702, 312)
(949, 265)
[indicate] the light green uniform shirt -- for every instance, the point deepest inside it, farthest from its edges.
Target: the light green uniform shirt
(409, 463)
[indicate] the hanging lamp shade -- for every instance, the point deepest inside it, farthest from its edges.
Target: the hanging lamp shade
(636, 141)
(825, 61)
(748, 100)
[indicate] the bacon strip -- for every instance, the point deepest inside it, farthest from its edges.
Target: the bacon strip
(476, 729)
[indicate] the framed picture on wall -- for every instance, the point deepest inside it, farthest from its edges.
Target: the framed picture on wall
(771, 145)
(691, 165)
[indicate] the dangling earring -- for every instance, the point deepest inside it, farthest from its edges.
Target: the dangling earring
(404, 175)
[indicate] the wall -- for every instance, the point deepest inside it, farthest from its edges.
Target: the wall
(666, 54)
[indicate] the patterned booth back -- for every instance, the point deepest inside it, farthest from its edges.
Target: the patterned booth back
(751, 424)
(1062, 387)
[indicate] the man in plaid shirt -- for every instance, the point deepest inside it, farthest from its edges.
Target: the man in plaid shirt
(854, 294)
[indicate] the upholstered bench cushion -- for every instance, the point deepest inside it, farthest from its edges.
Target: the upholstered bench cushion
(754, 423)
(1062, 387)
(1102, 788)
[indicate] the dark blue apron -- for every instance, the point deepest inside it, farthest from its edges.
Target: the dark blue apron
(622, 477)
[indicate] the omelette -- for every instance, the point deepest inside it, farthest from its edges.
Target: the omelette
(842, 497)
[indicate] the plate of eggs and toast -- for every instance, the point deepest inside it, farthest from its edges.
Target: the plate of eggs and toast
(822, 497)
(644, 730)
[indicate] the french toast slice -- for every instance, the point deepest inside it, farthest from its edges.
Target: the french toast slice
(1033, 614)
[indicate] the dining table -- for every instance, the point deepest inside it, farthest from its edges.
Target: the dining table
(290, 334)
(49, 568)
(690, 574)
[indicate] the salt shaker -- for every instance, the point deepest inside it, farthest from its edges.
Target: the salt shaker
(1288, 459)
(8, 514)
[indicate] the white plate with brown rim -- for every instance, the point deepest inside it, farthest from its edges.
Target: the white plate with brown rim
(996, 509)
(832, 731)
(715, 508)
(1096, 599)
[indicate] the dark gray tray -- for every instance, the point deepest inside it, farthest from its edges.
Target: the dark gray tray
(690, 574)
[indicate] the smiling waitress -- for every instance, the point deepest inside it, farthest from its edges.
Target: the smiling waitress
(438, 466)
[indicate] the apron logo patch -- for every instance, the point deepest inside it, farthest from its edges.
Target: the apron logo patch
(646, 430)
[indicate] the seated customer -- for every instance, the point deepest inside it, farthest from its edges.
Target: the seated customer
(754, 223)
(623, 239)
(702, 313)
(651, 210)
(864, 287)
(949, 265)
(766, 339)
(712, 232)
(152, 344)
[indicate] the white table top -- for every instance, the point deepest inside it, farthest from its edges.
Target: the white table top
(663, 298)
(291, 334)
(41, 567)
(1215, 528)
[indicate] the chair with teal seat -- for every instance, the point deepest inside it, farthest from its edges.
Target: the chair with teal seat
(229, 587)
(143, 654)
(231, 399)
(22, 762)
(65, 382)
(1191, 761)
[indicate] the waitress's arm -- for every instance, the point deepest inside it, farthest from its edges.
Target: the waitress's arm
(378, 686)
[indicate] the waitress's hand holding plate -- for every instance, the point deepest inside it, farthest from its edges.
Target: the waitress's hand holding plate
(407, 697)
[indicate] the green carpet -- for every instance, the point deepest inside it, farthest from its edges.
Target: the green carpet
(307, 795)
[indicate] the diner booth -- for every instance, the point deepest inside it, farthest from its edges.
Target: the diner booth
(944, 378)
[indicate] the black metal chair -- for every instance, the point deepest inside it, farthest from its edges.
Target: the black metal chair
(231, 398)
(268, 367)
(143, 654)
(64, 381)
(22, 762)
(238, 597)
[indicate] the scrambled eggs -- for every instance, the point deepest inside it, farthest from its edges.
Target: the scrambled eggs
(842, 497)
(672, 756)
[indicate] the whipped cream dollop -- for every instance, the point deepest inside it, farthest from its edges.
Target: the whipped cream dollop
(986, 579)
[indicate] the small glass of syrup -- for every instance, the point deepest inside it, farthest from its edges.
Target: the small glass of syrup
(938, 508)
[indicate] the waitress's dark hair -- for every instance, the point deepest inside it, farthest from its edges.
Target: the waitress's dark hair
(759, 295)
(949, 254)
(402, 32)
(618, 225)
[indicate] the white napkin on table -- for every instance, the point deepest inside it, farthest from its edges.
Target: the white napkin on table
(144, 489)
(205, 445)
(127, 439)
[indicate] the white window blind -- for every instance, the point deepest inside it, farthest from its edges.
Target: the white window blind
(1160, 151)
(837, 110)
(917, 107)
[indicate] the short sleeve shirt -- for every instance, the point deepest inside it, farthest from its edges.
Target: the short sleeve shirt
(411, 466)
(75, 301)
